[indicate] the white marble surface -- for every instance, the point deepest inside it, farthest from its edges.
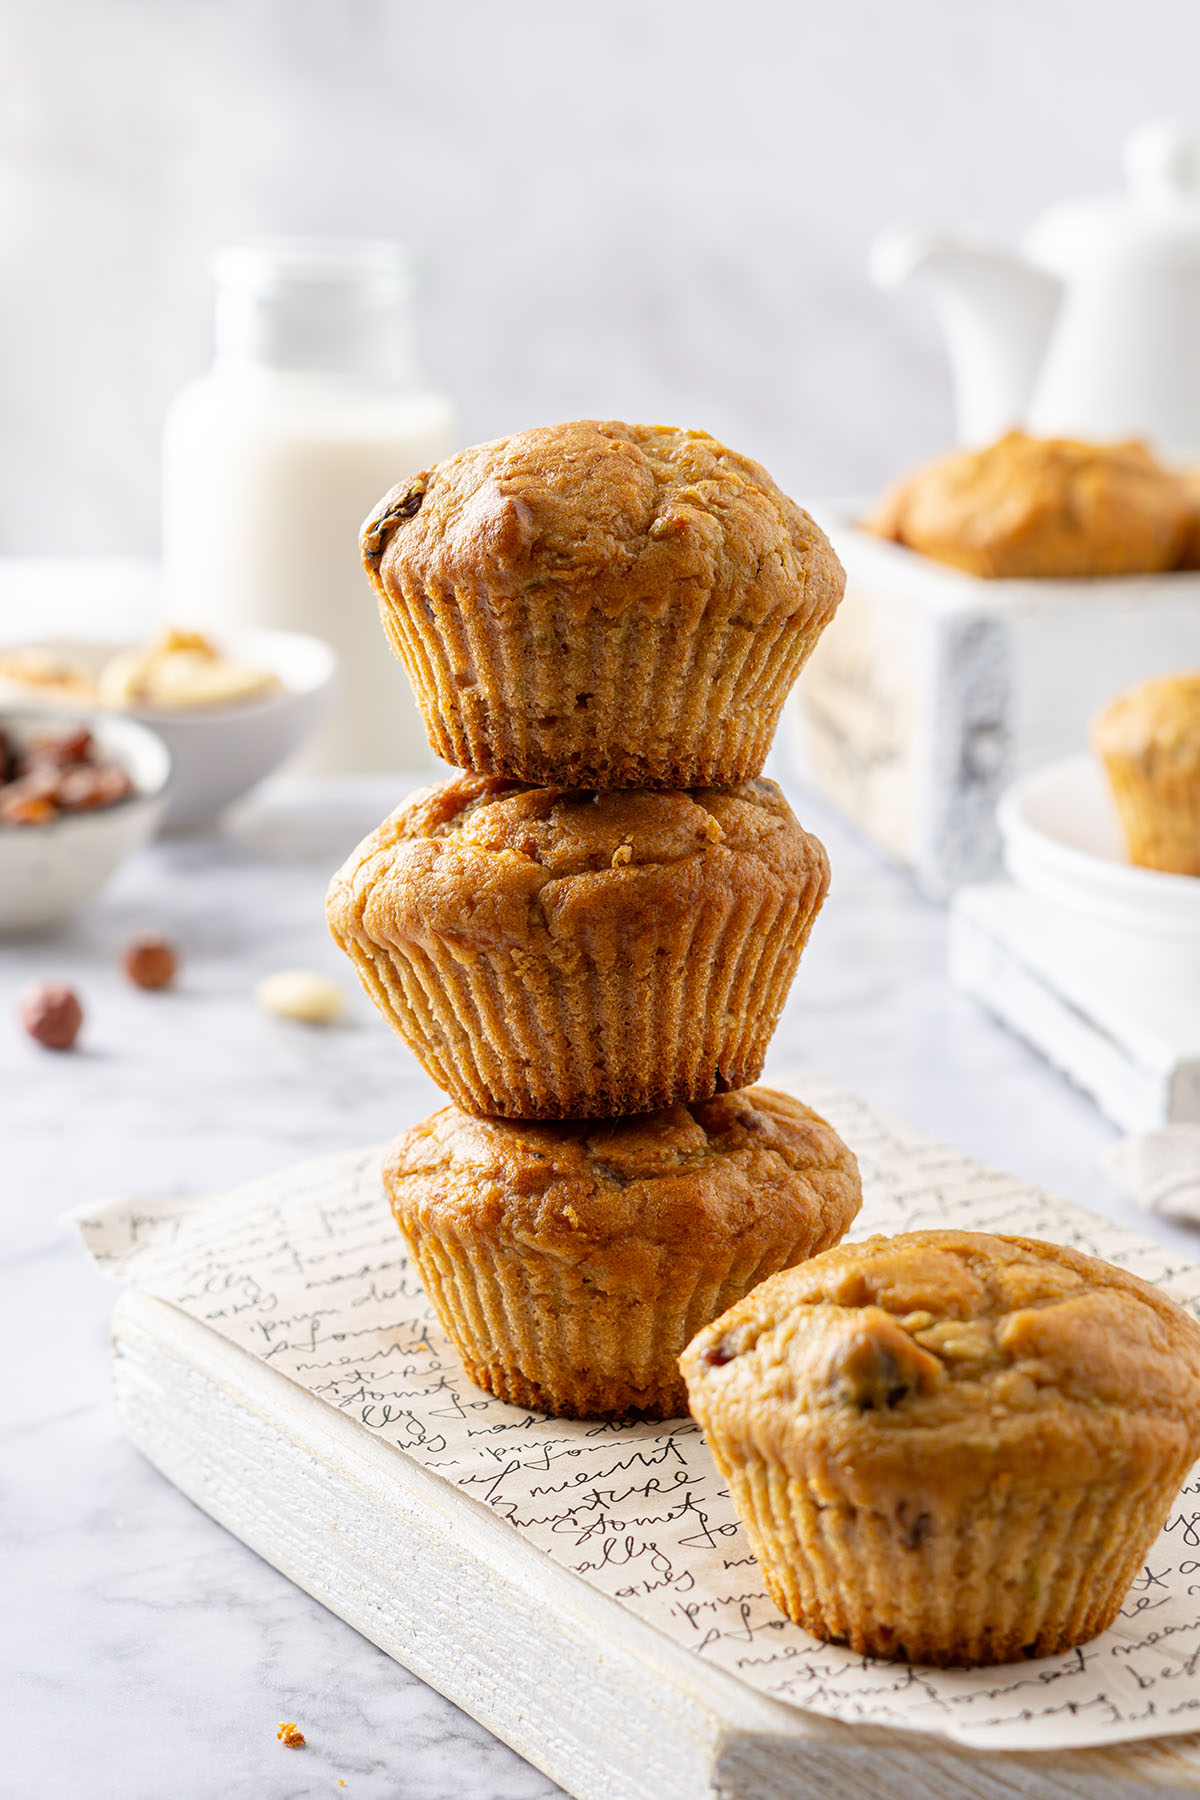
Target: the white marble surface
(149, 1653)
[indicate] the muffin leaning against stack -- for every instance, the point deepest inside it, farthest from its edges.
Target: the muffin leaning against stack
(949, 1446)
(615, 613)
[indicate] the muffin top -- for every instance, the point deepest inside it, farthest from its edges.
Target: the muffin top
(931, 1358)
(1157, 721)
(612, 517)
(644, 1193)
(481, 860)
(1028, 506)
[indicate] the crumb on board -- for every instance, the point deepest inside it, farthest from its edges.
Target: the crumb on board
(290, 1734)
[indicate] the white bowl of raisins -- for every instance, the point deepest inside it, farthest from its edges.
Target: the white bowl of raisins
(77, 796)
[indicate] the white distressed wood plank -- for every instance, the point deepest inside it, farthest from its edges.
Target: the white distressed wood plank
(1114, 1009)
(932, 690)
(602, 1702)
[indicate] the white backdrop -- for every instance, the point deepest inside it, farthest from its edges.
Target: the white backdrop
(651, 209)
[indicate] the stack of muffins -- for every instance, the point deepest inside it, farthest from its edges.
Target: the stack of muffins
(588, 936)
(946, 1446)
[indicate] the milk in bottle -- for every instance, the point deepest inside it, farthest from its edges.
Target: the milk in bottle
(313, 408)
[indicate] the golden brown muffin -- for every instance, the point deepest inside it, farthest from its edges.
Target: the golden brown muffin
(558, 953)
(570, 1263)
(1149, 743)
(1189, 555)
(948, 1446)
(1041, 507)
(601, 605)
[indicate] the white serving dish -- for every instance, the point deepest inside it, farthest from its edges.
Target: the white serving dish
(49, 872)
(220, 753)
(1062, 840)
(932, 691)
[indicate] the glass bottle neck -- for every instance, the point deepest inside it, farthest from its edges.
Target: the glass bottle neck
(339, 309)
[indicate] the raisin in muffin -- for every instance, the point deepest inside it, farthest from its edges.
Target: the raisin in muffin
(601, 605)
(570, 1263)
(948, 1446)
(1029, 506)
(1149, 742)
(554, 953)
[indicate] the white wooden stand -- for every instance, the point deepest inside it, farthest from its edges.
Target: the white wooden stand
(1117, 1009)
(932, 690)
(601, 1701)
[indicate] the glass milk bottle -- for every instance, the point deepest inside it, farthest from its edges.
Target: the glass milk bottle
(313, 408)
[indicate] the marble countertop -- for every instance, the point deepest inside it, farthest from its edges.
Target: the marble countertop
(150, 1653)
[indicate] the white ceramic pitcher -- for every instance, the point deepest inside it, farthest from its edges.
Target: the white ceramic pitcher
(1093, 328)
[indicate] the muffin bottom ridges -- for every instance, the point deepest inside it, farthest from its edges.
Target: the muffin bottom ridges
(1018, 1578)
(519, 1036)
(1159, 814)
(545, 1338)
(543, 696)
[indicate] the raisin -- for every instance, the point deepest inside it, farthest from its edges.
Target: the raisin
(379, 528)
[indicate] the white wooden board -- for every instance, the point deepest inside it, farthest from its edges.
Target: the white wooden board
(597, 1698)
(1115, 1008)
(283, 1368)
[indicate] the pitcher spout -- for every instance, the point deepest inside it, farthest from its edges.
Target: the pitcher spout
(997, 311)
